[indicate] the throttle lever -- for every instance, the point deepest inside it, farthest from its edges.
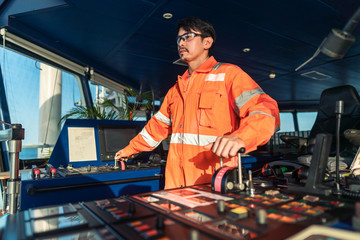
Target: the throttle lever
(241, 184)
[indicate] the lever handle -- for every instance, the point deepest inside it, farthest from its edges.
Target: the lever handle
(241, 184)
(241, 150)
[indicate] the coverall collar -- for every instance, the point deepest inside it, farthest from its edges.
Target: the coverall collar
(205, 67)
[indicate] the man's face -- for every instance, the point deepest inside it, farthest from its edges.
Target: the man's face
(190, 49)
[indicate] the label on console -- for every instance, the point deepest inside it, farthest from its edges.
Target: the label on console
(81, 144)
(191, 197)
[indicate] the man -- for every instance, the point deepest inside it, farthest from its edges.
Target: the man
(212, 111)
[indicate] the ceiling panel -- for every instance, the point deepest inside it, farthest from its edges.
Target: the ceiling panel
(130, 41)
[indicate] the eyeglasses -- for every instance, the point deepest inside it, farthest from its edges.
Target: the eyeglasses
(187, 37)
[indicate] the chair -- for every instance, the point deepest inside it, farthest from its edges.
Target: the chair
(326, 119)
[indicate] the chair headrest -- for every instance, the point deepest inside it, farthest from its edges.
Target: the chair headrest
(347, 93)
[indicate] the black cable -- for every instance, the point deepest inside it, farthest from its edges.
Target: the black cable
(350, 194)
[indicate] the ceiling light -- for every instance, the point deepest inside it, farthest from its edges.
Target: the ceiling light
(246, 50)
(272, 75)
(167, 15)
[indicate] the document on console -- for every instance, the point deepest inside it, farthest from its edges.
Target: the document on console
(82, 145)
(191, 197)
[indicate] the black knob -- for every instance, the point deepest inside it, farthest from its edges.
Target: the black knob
(242, 150)
(160, 222)
(131, 208)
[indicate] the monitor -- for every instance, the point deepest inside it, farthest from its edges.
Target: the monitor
(112, 138)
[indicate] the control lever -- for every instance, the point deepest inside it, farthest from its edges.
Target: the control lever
(229, 179)
(122, 163)
(240, 185)
(339, 109)
(116, 164)
(35, 172)
(50, 170)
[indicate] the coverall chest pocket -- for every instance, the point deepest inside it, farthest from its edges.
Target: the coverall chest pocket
(207, 108)
(173, 106)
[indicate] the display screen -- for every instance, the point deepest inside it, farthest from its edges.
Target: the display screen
(117, 138)
(112, 138)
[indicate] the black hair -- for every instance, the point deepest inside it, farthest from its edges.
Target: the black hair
(197, 24)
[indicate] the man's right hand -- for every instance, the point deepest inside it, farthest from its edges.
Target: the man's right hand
(120, 155)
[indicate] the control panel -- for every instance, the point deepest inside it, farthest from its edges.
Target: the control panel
(50, 186)
(194, 212)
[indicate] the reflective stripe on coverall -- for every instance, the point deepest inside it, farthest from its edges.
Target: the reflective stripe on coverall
(214, 101)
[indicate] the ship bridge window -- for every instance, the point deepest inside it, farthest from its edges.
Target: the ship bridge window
(306, 120)
(287, 122)
(118, 103)
(37, 95)
(303, 122)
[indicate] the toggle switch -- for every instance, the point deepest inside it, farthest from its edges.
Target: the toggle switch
(261, 216)
(221, 207)
(36, 173)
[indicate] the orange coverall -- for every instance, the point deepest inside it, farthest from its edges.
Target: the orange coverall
(217, 99)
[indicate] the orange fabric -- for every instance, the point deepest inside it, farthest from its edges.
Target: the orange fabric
(205, 105)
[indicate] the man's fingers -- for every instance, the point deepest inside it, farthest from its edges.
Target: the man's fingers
(225, 146)
(222, 147)
(226, 149)
(216, 145)
(234, 151)
(120, 156)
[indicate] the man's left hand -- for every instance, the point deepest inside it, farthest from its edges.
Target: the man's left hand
(226, 146)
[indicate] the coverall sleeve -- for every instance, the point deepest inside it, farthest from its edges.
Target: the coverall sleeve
(157, 129)
(258, 112)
